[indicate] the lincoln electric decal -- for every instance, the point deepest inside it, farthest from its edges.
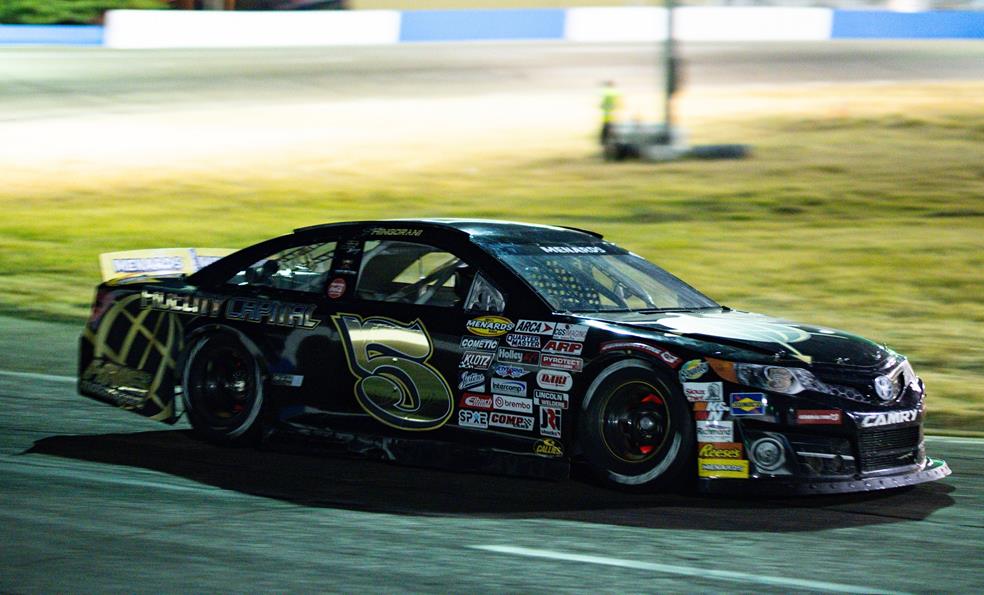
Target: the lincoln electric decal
(395, 383)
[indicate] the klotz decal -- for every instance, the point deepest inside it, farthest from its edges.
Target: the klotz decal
(395, 384)
(550, 421)
(554, 380)
(703, 391)
(336, 288)
(489, 326)
(476, 360)
(747, 404)
(693, 370)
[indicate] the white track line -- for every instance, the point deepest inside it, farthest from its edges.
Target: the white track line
(33, 376)
(726, 575)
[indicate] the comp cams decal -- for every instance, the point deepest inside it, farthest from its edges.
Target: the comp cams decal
(395, 383)
(509, 420)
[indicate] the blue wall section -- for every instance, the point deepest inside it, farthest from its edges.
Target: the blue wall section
(51, 35)
(459, 25)
(877, 24)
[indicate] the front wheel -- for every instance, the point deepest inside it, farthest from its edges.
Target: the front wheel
(223, 390)
(635, 428)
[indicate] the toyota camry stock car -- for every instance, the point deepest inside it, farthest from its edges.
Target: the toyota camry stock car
(499, 347)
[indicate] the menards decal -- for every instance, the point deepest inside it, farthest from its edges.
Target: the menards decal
(489, 326)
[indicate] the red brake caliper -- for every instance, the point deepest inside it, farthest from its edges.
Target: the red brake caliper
(655, 400)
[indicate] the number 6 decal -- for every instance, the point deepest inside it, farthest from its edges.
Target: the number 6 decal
(395, 383)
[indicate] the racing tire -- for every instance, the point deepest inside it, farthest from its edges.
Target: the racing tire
(635, 429)
(223, 390)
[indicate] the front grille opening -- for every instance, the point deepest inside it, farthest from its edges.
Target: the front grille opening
(886, 449)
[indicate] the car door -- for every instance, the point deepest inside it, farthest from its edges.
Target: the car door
(404, 332)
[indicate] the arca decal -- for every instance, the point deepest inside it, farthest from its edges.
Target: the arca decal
(395, 383)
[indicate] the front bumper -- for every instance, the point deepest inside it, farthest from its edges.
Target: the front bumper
(931, 470)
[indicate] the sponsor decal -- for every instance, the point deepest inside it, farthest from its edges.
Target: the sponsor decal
(518, 356)
(479, 343)
(396, 231)
(715, 431)
(703, 391)
(874, 420)
(548, 448)
(292, 380)
(507, 371)
(473, 419)
(525, 341)
(182, 303)
(664, 355)
(474, 381)
(347, 266)
(516, 388)
(570, 332)
(476, 360)
(395, 384)
(535, 327)
(336, 288)
(711, 406)
(546, 398)
(573, 249)
(563, 347)
(350, 247)
(509, 420)
(805, 417)
(561, 362)
(550, 421)
(737, 469)
(747, 404)
(720, 450)
(155, 264)
(512, 404)
(272, 312)
(693, 370)
(489, 326)
(476, 401)
(709, 415)
(554, 380)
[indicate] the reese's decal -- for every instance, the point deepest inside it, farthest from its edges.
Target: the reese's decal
(395, 383)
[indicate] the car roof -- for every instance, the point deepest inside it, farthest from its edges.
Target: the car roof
(477, 229)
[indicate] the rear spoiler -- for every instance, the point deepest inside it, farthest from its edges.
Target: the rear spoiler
(158, 261)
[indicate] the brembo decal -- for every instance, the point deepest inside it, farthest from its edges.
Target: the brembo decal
(395, 383)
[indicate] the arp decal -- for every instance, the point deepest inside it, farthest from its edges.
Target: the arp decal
(563, 347)
(395, 383)
(664, 355)
(489, 326)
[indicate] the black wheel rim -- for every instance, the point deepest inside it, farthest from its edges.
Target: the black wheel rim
(225, 385)
(636, 422)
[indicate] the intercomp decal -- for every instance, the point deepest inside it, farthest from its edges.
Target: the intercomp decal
(395, 383)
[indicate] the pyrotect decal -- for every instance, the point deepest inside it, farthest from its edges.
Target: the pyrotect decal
(395, 383)
(562, 362)
(489, 326)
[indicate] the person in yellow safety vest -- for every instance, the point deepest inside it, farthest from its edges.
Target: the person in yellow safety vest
(611, 102)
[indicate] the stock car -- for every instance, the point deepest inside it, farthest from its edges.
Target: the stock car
(500, 347)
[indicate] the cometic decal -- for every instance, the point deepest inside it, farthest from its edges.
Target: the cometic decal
(395, 383)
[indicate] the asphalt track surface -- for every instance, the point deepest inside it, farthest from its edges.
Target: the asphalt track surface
(96, 499)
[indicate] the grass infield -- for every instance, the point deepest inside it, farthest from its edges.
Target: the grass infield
(865, 215)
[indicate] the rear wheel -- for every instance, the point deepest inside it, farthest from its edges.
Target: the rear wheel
(223, 390)
(635, 428)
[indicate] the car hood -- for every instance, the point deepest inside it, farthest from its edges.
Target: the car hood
(772, 337)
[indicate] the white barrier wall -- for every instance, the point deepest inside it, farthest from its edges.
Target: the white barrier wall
(699, 24)
(199, 29)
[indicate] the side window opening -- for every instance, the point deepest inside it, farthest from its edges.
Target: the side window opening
(300, 268)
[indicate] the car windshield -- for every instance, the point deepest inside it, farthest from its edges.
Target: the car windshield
(603, 282)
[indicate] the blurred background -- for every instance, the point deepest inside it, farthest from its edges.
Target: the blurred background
(859, 205)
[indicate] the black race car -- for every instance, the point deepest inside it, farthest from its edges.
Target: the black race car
(500, 347)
